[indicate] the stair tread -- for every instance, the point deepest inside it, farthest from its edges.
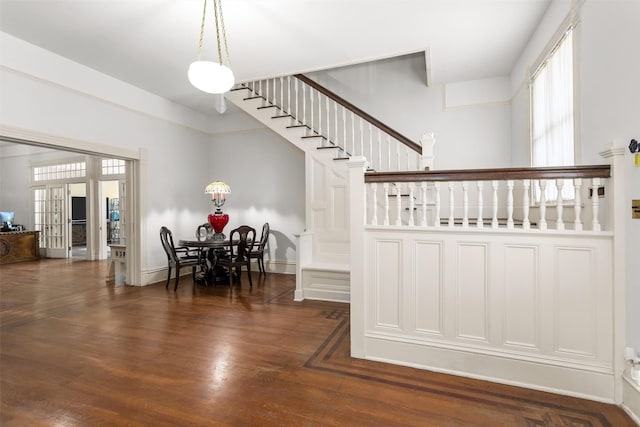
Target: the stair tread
(296, 126)
(341, 158)
(252, 97)
(281, 116)
(312, 136)
(325, 147)
(238, 88)
(267, 106)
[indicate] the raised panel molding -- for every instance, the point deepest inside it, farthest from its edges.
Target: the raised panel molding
(428, 292)
(575, 293)
(388, 261)
(521, 296)
(340, 208)
(530, 309)
(472, 291)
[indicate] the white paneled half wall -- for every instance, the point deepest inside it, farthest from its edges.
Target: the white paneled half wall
(531, 309)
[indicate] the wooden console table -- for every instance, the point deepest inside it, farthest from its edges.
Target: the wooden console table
(16, 246)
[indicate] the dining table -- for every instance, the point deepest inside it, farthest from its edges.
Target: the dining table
(208, 252)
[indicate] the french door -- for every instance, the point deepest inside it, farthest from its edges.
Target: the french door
(52, 218)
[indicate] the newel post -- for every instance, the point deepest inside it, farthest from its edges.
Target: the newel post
(357, 217)
(428, 141)
(617, 209)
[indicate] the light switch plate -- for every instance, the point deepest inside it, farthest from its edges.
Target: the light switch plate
(635, 209)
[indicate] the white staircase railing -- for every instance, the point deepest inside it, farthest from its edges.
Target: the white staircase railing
(332, 121)
(492, 198)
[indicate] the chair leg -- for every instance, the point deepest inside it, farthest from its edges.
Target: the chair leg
(168, 278)
(262, 265)
(249, 274)
(175, 288)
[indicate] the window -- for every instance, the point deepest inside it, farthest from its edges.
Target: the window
(59, 171)
(112, 166)
(553, 142)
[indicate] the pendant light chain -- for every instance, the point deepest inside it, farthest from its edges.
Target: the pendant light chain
(224, 35)
(215, 9)
(204, 13)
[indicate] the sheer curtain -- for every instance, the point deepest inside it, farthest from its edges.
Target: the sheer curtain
(552, 103)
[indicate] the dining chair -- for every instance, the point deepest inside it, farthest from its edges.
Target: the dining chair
(177, 257)
(240, 246)
(258, 251)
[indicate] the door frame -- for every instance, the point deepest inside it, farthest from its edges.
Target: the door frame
(134, 169)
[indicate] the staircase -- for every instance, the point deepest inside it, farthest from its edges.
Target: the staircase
(329, 130)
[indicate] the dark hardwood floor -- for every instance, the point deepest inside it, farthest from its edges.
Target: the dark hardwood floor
(75, 351)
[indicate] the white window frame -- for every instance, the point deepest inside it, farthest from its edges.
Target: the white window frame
(567, 32)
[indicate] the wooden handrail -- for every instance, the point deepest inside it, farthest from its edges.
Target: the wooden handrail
(349, 106)
(554, 172)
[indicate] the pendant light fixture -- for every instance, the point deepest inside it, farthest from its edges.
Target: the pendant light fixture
(209, 76)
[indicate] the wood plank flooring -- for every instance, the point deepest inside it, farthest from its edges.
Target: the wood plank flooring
(75, 351)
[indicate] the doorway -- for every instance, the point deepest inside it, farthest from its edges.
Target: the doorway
(78, 240)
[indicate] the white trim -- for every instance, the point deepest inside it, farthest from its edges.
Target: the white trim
(135, 219)
(591, 385)
(631, 402)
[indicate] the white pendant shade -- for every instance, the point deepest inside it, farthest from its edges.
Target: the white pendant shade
(211, 77)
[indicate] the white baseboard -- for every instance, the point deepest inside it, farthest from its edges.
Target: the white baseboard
(631, 398)
(325, 283)
(160, 274)
(577, 381)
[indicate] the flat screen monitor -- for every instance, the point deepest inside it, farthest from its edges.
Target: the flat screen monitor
(7, 217)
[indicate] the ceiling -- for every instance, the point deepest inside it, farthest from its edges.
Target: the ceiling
(150, 43)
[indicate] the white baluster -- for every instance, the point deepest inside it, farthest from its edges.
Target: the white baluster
(388, 150)
(559, 207)
(328, 109)
(397, 152)
(526, 224)
(436, 185)
(595, 200)
(335, 119)
(304, 105)
(266, 83)
(451, 204)
(398, 203)
(295, 89)
(311, 99)
(361, 153)
(281, 93)
(374, 203)
(353, 133)
(465, 204)
(386, 203)
(260, 88)
(288, 94)
(379, 149)
(494, 200)
(411, 203)
(542, 225)
(510, 204)
(577, 224)
(479, 222)
(344, 128)
(320, 130)
(423, 219)
(371, 149)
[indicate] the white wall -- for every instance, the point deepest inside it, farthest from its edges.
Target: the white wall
(267, 179)
(608, 62)
(15, 178)
(608, 87)
(610, 110)
(44, 93)
(394, 91)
